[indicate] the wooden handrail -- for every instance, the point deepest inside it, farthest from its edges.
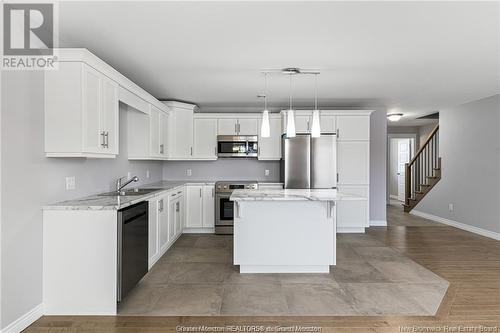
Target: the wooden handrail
(424, 145)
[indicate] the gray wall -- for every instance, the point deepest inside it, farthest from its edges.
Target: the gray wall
(424, 131)
(393, 167)
(470, 151)
(378, 164)
(30, 180)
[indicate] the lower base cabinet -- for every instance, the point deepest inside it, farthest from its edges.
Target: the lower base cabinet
(200, 208)
(353, 216)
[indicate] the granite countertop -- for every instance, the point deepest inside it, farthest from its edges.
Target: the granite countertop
(99, 202)
(292, 195)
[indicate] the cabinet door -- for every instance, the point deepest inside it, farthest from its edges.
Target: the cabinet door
(163, 134)
(302, 124)
(353, 161)
(163, 222)
(154, 132)
(172, 213)
(327, 123)
(194, 206)
(109, 114)
(205, 138)
(208, 206)
(183, 134)
(179, 216)
(153, 232)
(270, 148)
(247, 126)
(353, 128)
(94, 135)
(352, 215)
(226, 126)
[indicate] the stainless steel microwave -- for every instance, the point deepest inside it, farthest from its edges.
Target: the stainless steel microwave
(237, 146)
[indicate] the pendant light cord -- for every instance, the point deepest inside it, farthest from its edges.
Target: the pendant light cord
(290, 91)
(315, 91)
(265, 91)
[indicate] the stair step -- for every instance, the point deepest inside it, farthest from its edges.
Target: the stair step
(433, 177)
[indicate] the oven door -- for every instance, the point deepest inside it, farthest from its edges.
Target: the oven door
(224, 210)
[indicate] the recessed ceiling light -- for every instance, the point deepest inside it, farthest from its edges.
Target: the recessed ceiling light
(394, 116)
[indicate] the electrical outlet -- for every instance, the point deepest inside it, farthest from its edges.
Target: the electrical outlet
(70, 183)
(267, 172)
(451, 207)
(189, 172)
(147, 173)
(129, 175)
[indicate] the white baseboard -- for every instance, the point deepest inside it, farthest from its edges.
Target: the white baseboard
(459, 225)
(198, 230)
(350, 230)
(392, 196)
(25, 320)
(378, 223)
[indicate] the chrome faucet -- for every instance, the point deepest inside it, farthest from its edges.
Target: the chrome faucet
(120, 186)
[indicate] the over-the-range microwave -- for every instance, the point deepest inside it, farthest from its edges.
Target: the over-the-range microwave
(237, 146)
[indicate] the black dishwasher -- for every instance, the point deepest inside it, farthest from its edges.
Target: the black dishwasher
(132, 247)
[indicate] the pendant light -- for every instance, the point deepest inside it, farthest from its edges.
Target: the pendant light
(290, 116)
(265, 130)
(316, 127)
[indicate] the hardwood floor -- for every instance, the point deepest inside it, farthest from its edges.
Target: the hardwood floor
(471, 263)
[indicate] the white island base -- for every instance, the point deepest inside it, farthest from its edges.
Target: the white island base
(281, 236)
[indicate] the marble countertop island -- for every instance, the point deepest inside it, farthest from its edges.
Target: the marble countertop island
(292, 195)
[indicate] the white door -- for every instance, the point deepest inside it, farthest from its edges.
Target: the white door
(247, 126)
(94, 134)
(153, 232)
(205, 138)
(226, 126)
(194, 206)
(327, 124)
(403, 158)
(302, 124)
(163, 222)
(208, 206)
(183, 133)
(179, 217)
(353, 128)
(270, 148)
(109, 114)
(163, 123)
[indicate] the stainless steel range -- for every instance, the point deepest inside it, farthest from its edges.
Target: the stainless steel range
(224, 208)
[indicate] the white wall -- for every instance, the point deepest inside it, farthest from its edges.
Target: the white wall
(30, 180)
(470, 151)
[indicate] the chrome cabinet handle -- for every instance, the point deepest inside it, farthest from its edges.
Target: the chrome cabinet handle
(191, 151)
(107, 139)
(215, 151)
(103, 140)
(338, 133)
(200, 192)
(213, 192)
(161, 149)
(160, 208)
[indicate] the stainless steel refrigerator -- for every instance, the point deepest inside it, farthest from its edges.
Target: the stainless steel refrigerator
(309, 162)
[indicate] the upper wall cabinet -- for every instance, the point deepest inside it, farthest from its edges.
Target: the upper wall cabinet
(180, 130)
(353, 128)
(81, 106)
(205, 138)
(237, 126)
(270, 148)
(81, 112)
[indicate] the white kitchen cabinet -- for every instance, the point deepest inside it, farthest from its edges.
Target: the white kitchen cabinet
(353, 163)
(237, 126)
(194, 206)
(353, 215)
(327, 123)
(208, 214)
(353, 128)
(176, 213)
(81, 112)
(247, 126)
(180, 127)
(227, 126)
(153, 233)
(302, 124)
(270, 148)
(163, 134)
(163, 223)
(205, 138)
(154, 132)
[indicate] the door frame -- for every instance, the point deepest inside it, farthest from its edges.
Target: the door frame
(414, 146)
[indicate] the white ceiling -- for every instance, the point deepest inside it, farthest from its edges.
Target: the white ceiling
(416, 57)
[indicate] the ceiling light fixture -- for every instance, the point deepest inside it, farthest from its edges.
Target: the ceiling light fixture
(394, 116)
(265, 130)
(316, 126)
(290, 116)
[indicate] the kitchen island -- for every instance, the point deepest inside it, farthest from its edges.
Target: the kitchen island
(286, 231)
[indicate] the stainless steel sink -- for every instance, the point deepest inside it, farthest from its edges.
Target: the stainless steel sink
(133, 191)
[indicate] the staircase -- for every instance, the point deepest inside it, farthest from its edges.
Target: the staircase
(423, 172)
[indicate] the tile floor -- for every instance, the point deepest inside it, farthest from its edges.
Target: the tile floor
(196, 278)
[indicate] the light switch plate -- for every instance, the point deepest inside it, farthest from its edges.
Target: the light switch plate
(451, 207)
(147, 173)
(189, 172)
(129, 175)
(266, 172)
(70, 183)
